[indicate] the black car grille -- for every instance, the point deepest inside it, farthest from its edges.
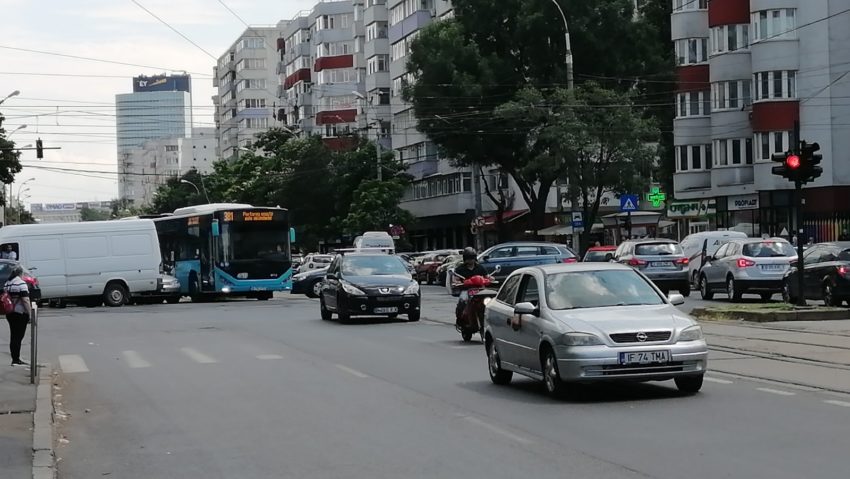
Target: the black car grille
(387, 299)
(623, 369)
(651, 336)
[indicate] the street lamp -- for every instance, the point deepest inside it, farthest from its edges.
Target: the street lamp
(568, 57)
(16, 129)
(10, 95)
(377, 131)
(187, 182)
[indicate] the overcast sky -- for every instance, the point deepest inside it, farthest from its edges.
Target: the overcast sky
(77, 113)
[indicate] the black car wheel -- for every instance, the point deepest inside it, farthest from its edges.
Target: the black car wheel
(703, 289)
(689, 384)
(786, 292)
(327, 315)
(497, 374)
(413, 316)
(766, 296)
(829, 298)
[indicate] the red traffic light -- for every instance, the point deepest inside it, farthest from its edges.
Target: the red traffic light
(793, 162)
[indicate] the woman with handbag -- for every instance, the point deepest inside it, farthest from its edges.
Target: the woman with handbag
(16, 303)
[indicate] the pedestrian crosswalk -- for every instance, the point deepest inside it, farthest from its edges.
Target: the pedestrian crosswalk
(75, 363)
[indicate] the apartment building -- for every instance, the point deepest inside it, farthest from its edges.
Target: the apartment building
(246, 78)
(148, 166)
(199, 151)
(748, 70)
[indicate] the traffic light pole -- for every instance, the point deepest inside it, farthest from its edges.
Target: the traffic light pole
(801, 297)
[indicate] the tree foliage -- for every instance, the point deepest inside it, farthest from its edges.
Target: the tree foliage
(467, 68)
(375, 206)
(10, 163)
(91, 214)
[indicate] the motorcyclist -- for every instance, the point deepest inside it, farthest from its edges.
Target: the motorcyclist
(469, 268)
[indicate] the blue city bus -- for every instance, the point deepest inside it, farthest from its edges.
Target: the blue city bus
(227, 249)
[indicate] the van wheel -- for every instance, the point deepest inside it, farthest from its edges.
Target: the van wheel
(115, 295)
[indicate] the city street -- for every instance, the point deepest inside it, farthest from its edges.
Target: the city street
(266, 389)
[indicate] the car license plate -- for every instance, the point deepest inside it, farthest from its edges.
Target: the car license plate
(661, 264)
(645, 357)
(772, 267)
(386, 310)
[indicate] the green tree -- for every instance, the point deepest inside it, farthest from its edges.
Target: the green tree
(466, 68)
(91, 214)
(578, 135)
(174, 194)
(375, 206)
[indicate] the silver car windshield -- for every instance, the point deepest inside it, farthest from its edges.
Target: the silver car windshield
(769, 249)
(599, 289)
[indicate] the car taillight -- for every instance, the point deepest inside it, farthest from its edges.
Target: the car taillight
(745, 263)
(570, 260)
(682, 261)
(637, 262)
(844, 271)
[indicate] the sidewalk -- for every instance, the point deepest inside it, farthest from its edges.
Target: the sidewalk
(17, 403)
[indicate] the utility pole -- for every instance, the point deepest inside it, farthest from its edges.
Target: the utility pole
(476, 192)
(798, 189)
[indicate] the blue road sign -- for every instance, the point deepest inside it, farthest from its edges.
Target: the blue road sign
(577, 220)
(629, 203)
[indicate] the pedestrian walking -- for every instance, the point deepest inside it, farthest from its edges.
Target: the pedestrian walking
(19, 317)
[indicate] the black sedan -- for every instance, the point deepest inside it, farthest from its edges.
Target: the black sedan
(826, 274)
(309, 282)
(369, 284)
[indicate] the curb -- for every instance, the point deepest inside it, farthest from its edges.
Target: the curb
(43, 457)
(770, 316)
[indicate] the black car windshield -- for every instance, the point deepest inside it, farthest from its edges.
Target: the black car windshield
(597, 256)
(599, 289)
(658, 249)
(768, 249)
(373, 265)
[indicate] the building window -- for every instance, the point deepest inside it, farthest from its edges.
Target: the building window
(337, 75)
(693, 158)
(252, 103)
(254, 123)
(251, 64)
(730, 95)
(682, 5)
(691, 51)
(251, 83)
(774, 24)
(334, 49)
(250, 42)
(376, 30)
(772, 142)
(407, 8)
(694, 103)
(733, 152)
(378, 63)
(729, 38)
(773, 85)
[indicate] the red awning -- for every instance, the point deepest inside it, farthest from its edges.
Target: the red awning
(507, 217)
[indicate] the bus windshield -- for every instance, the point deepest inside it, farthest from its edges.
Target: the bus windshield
(242, 241)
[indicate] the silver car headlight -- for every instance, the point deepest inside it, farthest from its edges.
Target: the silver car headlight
(581, 339)
(412, 289)
(693, 333)
(299, 277)
(352, 290)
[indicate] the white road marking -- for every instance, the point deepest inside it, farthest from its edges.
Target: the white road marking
(198, 356)
(353, 372)
(716, 380)
(135, 360)
(776, 391)
(267, 357)
(73, 363)
(498, 430)
(836, 402)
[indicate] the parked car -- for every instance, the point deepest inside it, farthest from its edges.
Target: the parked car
(426, 270)
(309, 282)
(826, 275)
(599, 254)
(167, 289)
(697, 246)
(512, 256)
(369, 284)
(661, 260)
(744, 266)
(6, 266)
(566, 324)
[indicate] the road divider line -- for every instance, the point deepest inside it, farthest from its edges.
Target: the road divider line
(198, 356)
(776, 391)
(269, 357)
(498, 430)
(836, 402)
(351, 371)
(72, 363)
(716, 380)
(135, 360)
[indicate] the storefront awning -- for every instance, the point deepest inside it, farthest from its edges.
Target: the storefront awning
(556, 230)
(507, 217)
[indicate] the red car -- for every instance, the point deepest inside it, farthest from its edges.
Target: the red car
(6, 266)
(599, 254)
(426, 270)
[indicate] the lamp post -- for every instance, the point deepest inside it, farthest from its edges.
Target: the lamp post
(16, 129)
(10, 95)
(187, 182)
(368, 102)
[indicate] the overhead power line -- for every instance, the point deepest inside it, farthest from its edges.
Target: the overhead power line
(174, 29)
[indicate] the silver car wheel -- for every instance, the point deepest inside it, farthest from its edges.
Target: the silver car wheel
(493, 361)
(550, 374)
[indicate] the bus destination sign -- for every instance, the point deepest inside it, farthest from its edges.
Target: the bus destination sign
(258, 215)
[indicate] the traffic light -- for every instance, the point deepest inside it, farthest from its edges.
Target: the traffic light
(790, 167)
(810, 160)
(39, 151)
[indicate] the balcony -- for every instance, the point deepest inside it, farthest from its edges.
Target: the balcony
(300, 75)
(413, 23)
(732, 176)
(377, 13)
(331, 117)
(423, 168)
(338, 61)
(691, 181)
(453, 204)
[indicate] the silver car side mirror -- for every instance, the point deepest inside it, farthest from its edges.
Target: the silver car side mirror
(676, 299)
(525, 308)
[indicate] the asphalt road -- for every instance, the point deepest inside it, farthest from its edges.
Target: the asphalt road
(266, 389)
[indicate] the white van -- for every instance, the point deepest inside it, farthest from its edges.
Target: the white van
(92, 261)
(711, 241)
(376, 240)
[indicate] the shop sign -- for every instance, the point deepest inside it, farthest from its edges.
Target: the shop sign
(691, 209)
(743, 202)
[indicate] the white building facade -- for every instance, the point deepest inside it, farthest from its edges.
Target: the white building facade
(199, 151)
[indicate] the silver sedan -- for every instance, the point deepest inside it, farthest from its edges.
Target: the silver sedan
(586, 322)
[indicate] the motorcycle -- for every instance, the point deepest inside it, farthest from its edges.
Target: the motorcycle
(471, 319)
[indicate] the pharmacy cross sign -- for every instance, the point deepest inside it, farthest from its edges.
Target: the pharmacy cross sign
(656, 196)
